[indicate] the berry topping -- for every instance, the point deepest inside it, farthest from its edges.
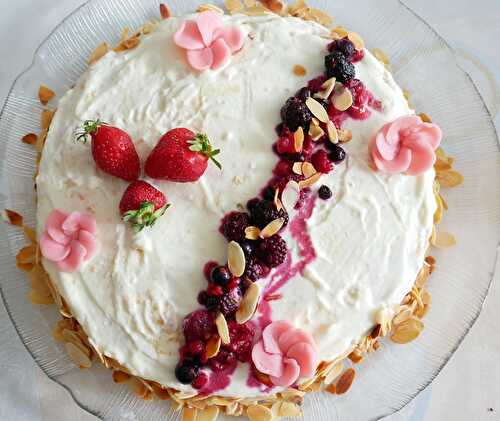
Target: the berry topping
(295, 114)
(181, 156)
(195, 348)
(253, 270)
(224, 360)
(358, 56)
(186, 372)
(142, 205)
(321, 162)
(200, 381)
(337, 154)
(221, 276)
(233, 226)
(265, 212)
(272, 251)
(248, 248)
(198, 325)
(112, 149)
(325, 193)
(241, 340)
(338, 67)
(230, 302)
(344, 46)
(315, 84)
(303, 94)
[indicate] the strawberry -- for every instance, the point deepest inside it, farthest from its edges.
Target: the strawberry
(142, 205)
(112, 149)
(181, 156)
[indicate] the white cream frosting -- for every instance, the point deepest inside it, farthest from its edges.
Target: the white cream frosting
(370, 239)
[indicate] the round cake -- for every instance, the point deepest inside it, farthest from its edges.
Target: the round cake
(315, 227)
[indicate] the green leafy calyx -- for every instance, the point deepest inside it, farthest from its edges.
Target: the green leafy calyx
(202, 144)
(145, 216)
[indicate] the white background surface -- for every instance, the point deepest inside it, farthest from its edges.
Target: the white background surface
(468, 387)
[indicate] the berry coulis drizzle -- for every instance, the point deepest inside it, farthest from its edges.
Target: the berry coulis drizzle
(224, 292)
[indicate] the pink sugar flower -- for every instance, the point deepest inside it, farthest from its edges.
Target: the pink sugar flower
(285, 354)
(69, 240)
(208, 44)
(406, 145)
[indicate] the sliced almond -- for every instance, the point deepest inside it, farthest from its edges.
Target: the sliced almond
(316, 132)
(30, 138)
(277, 200)
(209, 8)
(46, 118)
(449, 178)
(402, 316)
(289, 409)
(317, 110)
(340, 31)
(407, 331)
(98, 53)
(381, 56)
(321, 17)
(234, 6)
(333, 135)
(425, 118)
(248, 304)
(444, 240)
(12, 217)
(78, 356)
(309, 181)
(345, 381)
(37, 298)
(222, 329)
(235, 259)
(297, 168)
(315, 121)
(326, 89)
(256, 11)
(213, 346)
(160, 392)
(252, 233)
(356, 39)
(189, 414)
(298, 138)
(335, 371)
(290, 195)
(45, 94)
(271, 229)
(345, 135)
(299, 70)
(259, 413)
(342, 99)
(208, 414)
(120, 376)
(308, 169)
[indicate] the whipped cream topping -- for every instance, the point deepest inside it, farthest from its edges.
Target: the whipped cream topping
(370, 239)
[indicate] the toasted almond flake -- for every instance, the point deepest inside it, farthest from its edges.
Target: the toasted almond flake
(37, 298)
(425, 118)
(308, 169)
(331, 388)
(334, 372)
(184, 395)
(326, 89)
(77, 356)
(355, 357)
(137, 387)
(164, 11)
(209, 414)
(209, 8)
(309, 181)
(317, 110)
(380, 56)
(402, 316)
(256, 11)
(30, 138)
(356, 39)
(275, 6)
(248, 304)
(444, 239)
(131, 43)
(26, 254)
(342, 98)
(271, 229)
(46, 118)
(252, 233)
(213, 346)
(297, 168)
(222, 329)
(259, 413)
(333, 135)
(340, 31)
(449, 178)
(289, 409)
(160, 392)
(120, 376)
(98, 53)
(277, 200)
(407, 331)
(321, 17)
(298, 138)
(316, 132)
(12, 217)
(234, 6)
(290, 195)
(315, 121)
(345, 135)
(299, 70)
(345, 381)
(45, 94)
(235, 259)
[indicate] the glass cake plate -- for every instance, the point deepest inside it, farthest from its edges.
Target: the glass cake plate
(423, 63)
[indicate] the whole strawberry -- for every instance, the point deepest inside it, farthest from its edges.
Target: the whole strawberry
(112, 149)
(142, 205)
(181, 156)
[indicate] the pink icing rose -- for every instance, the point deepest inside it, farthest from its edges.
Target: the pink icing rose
(406, 145)
(209, 45)
(69, 240)
(285, 354)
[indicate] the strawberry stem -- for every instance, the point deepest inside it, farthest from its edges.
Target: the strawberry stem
(201, 143)
(145, 216)
(88, 127)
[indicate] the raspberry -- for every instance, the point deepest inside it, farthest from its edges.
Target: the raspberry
(233, 226)
(224, 360)
(198, 325)
(338, 67)
(241, 340)
(195, 348)
(315, 84)
(253, 270)
(325, 193)
(265, 212)
(321, 162)
(200, 381)
(344, 46)
(272, 251)
(285, 145)
(230, 302)
(283, 168)
(358, 56)
(295, 114)
(207, 269)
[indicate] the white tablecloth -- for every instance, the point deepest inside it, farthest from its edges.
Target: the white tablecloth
(467, 389)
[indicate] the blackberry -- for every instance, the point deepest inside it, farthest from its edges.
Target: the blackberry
(325, 193)
(252, 203)
(272, 251)
(265, 212)
(221, 276)
(253, 270)
(337, 154)
(233, 226)
(295, 114)
(230, 302)
(268, 193)
(198, 325)
(186, 372)
(303, 94)
(338, 67)
(344, 46)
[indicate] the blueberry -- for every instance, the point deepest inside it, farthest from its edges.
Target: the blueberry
(186, 372)
(337, 154)
(221, 276)
(325, 193)
(248, 248)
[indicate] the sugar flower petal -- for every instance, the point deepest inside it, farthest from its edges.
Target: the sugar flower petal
(272, 333)
(53, 250)
(208, 23)
(54, 226)
(290, 374)
(266, 363)
(233, 37)
(200, 59)
(74, 260)
(188, 36)
(305, 356)
(221, 54)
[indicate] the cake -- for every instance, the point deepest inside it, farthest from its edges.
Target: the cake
(248, 207)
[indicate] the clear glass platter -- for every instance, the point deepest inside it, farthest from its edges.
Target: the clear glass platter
(423, 63)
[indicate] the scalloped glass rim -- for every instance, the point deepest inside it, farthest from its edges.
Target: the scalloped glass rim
(388, 380)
